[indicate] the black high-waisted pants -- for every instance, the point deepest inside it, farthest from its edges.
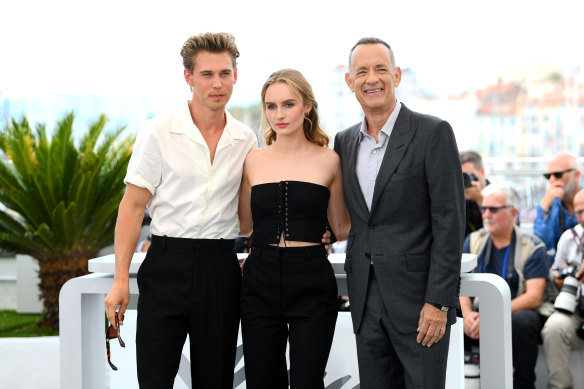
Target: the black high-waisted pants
(188, 286)
(287, 294)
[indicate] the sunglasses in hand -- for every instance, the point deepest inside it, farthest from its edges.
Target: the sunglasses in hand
(112, 333)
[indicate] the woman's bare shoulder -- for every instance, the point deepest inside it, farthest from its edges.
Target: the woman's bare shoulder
(254, 155)
(329, 156)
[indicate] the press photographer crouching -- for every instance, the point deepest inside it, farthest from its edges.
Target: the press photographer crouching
(564, 329)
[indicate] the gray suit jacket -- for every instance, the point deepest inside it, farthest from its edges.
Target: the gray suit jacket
(415, 230)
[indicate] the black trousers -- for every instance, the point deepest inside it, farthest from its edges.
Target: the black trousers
(287, 294)
(188, 286)
(525, 328)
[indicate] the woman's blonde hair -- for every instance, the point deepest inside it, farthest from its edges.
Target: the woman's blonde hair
(296, 81)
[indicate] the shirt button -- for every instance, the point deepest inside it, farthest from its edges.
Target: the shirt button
(371, 226)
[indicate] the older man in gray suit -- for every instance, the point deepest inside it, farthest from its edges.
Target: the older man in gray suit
(404, 190)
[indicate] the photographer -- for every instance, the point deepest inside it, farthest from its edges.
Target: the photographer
(474, 183)
(555, 213)
(564, 328)
(504, 249)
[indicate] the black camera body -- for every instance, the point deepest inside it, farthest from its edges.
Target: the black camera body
(569, 271)
(468, 178)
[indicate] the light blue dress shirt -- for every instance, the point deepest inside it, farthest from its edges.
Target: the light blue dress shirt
(370, 154)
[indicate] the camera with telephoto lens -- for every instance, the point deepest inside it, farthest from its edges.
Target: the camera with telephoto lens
(468, 178)
(567, 301)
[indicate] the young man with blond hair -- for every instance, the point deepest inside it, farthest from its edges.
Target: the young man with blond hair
(186, 168)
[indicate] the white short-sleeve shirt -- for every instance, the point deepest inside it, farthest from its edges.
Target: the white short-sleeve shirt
(190, 197)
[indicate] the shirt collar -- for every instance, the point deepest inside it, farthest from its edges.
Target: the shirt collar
(183, 124)
(387, 127)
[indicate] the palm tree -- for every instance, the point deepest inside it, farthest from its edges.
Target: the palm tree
(61, 199)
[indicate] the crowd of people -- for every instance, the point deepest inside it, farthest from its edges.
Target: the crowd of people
(394, 188)
(534, 264)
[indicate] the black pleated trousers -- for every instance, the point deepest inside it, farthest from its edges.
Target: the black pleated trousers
(287, 294)
(188, 286)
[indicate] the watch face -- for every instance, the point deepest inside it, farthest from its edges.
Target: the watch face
(444, 308)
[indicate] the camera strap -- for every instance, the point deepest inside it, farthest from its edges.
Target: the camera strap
(562, 221)
(579, 241)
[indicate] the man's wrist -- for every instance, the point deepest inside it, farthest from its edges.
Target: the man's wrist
(441, 307)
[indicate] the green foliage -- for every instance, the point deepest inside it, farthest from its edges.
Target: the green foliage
(63, 197)
(14, 324)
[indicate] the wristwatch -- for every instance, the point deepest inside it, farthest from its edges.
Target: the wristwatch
(441, 307)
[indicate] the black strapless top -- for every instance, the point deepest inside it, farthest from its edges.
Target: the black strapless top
(296, 209)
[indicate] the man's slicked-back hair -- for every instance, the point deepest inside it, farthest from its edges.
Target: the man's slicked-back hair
(210, 41)
(372, 41)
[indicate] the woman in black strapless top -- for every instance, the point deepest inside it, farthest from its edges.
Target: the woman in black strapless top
(291, 190)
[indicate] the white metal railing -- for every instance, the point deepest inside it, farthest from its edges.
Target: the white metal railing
(82, 325)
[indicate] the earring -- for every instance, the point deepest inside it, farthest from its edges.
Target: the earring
(190, 86)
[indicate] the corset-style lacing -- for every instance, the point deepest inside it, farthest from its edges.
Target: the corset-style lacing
(283, 211)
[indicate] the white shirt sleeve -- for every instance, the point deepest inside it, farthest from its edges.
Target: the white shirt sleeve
(145, 166)
(562, 254)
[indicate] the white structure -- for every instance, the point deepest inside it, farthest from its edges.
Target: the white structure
(82, 329)
(19, 284)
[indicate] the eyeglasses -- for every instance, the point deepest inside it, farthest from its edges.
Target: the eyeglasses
(112, 333)
(493, 209)
(557, 174)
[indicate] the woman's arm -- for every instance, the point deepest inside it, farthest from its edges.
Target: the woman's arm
(244, 208)
(337, 208)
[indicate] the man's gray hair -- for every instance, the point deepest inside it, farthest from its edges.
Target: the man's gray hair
(505, 188)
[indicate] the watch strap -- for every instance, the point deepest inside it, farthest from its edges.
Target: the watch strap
(441, 307)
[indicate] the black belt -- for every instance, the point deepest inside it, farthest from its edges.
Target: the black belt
(217, 244)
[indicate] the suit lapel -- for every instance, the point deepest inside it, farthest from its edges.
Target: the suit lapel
(356, 188)
(398, 143)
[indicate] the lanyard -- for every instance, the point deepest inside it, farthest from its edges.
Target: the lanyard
(579, 242)
(504, 272)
